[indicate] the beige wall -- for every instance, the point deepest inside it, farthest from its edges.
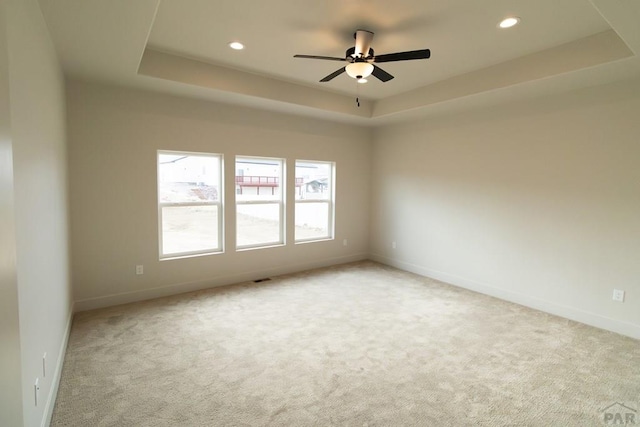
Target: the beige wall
(536, 202)
(10, 391)
(37, 131)
(114, 136)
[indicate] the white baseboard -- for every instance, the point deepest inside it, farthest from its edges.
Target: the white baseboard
(593, 319)
(53, 392)
(128, 297)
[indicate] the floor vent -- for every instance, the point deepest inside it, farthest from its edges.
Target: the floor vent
(266, 279)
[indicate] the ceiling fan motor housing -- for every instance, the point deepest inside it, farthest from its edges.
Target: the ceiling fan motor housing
(350, 55)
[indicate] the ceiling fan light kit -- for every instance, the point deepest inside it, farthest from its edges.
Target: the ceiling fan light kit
(359, 70)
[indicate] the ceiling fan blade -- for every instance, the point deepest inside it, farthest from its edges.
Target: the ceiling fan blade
(363, 42)
(327, 58)
(403, 56)
(333, 75)
(381, 74)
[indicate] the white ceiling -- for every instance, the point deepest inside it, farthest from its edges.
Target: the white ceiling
(180, 47)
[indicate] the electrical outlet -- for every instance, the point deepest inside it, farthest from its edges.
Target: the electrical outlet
(44, 365)
(393, 245)
(139, 269)
(36, 391)
(344, 242)
(618, 295)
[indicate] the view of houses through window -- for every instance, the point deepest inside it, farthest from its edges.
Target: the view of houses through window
(190, 202)
(259, 202)
(314, 200)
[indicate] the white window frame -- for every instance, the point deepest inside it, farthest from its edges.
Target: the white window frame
(279, 202)
(219, 203)
(330, 201)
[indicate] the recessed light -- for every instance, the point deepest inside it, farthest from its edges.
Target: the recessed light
(509, 22)
(236, 45)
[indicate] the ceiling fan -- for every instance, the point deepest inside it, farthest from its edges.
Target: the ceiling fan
(361, 59)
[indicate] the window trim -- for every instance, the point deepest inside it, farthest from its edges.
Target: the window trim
(218, 203)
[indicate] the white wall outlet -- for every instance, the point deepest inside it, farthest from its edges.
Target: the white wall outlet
(36, 391)
(344, 242)
(139, 269)
(618, 295)
(44, 365)
(393, 245)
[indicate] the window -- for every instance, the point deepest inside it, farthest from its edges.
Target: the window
(259, 202)
(314, 200)
(189, 203)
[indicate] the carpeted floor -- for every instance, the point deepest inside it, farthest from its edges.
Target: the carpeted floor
(354, 345)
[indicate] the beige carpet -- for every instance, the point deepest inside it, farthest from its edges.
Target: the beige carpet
(354, 345)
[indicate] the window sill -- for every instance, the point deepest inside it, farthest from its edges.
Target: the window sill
(183, 256)
(321, 239)
(267, 246)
